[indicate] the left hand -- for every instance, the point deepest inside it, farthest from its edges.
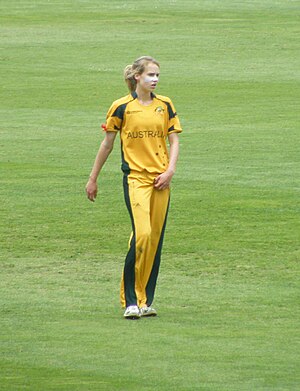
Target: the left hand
(163, 180)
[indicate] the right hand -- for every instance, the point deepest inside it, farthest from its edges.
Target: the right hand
(91, 190)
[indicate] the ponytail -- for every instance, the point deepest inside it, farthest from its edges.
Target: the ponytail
(129, 78)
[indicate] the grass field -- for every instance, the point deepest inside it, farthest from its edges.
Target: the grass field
(228, 290)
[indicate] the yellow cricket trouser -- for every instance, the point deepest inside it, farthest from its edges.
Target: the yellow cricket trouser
(148, 208)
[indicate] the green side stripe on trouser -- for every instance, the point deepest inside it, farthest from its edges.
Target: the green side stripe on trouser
(129, 267)
(151, 285)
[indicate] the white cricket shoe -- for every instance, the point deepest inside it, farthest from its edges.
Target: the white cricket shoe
(132, 312)
(148, 311)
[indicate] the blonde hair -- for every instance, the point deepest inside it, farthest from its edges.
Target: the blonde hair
(137, 68)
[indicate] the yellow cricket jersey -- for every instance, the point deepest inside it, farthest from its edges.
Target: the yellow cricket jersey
(143, 131)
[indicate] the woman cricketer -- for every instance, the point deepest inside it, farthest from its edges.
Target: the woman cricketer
(144, 120)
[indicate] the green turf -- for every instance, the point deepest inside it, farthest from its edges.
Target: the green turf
(228, 291)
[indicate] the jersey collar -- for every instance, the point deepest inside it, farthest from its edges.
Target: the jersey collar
(134, 95)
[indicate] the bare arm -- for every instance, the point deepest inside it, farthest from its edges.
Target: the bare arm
(163, 180)
(101, 157)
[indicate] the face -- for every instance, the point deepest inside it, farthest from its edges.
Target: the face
(149, 78)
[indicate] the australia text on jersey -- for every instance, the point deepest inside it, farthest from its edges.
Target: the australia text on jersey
(146, 133)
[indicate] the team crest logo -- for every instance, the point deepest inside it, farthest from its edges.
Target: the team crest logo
(159, 110)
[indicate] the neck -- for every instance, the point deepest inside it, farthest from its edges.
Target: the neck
(143, 96)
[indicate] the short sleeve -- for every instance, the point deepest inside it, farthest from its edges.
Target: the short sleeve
(174, 123)
(114, 117)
